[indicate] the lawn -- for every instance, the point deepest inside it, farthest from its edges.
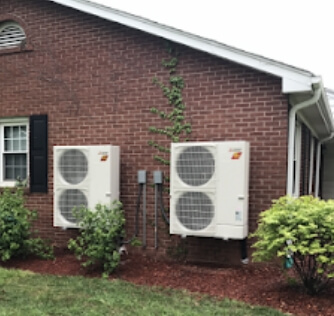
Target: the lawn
(26, 293)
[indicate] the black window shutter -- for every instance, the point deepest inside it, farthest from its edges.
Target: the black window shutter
(38, 153)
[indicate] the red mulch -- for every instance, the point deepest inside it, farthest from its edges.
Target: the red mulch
(256, 284)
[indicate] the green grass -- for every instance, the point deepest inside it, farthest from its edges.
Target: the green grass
(26, 293)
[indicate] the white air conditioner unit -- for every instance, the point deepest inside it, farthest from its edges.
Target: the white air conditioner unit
(84, 176)
(209, 189)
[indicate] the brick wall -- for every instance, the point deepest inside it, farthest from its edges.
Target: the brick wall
(94, 80)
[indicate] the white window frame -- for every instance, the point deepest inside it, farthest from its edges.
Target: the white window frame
(23, 121)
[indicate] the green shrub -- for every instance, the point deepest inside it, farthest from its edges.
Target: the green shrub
(301, 232)
(100, 235)
(15, 228)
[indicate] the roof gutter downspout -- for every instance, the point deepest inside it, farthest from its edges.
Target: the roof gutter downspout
(317, 170)
(291, 138)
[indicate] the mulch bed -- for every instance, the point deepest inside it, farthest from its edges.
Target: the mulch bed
(258, 284)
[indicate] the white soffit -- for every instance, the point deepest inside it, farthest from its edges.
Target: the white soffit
(293, 79)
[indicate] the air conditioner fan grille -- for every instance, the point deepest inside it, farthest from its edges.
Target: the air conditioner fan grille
(68, 200)
(73, 166)
(194, 210)
(195, 165)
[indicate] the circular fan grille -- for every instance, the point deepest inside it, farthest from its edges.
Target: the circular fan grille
(194, 210)
(73, 166)
(69, 199)
(195, 165)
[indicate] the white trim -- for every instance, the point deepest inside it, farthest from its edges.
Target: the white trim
(14, 120)
(317, 170)
(297, 159)
(293, 79)
(311, 166)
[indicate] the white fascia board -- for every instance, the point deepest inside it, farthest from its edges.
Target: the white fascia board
(293, 79)
(292, 85)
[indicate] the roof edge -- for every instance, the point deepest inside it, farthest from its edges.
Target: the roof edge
(294, 79)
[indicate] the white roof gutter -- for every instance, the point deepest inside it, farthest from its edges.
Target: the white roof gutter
(291, 137)
(323, 108)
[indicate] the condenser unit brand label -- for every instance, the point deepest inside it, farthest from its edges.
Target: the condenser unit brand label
(236, 156)
(236, 153)
(104, 156)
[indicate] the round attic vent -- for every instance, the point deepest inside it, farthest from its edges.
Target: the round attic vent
(11, 35)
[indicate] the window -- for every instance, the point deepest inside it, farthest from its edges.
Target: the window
(11, 35)
(13, 151)
(24, 152)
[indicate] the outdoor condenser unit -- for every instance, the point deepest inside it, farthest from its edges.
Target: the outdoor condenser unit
(209, 189)
(84, 176)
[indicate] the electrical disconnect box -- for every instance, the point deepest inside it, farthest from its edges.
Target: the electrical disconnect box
(142, 176)
(157, 177)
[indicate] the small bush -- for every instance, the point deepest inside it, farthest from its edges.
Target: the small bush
(15, 228)
(301, 232)
(101, 232)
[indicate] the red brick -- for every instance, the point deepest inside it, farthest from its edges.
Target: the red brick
(94, 80)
